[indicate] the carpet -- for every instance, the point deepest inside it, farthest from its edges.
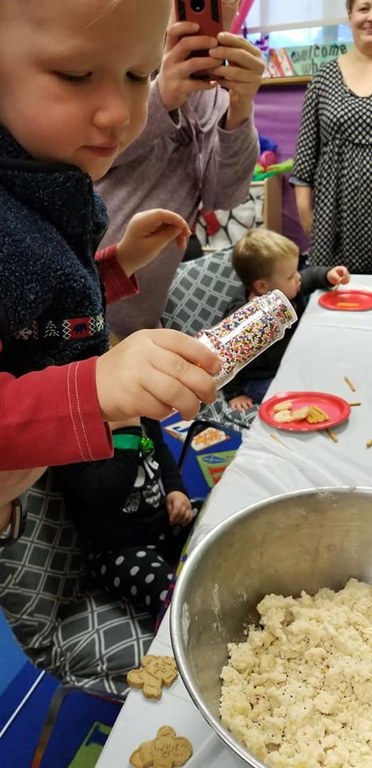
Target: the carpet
(79, 726)
(209, 454)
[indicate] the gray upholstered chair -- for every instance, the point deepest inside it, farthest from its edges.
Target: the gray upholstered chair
(200, 292)
(198, 297)
(82, 635)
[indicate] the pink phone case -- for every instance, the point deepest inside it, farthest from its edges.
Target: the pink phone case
(206, 13)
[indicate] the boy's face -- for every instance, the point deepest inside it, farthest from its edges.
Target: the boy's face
(286, 277)
(74, 75)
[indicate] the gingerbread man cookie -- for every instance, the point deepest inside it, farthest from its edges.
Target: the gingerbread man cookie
(154, 672)
(167, 750)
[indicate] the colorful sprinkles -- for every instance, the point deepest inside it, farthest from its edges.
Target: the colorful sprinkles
(248, 331)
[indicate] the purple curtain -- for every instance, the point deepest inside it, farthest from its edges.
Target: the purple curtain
(277, 117)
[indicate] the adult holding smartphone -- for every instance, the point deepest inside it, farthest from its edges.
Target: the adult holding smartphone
(200, 145)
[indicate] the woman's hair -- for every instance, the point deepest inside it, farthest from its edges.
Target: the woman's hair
(349, 5)
(258, 252)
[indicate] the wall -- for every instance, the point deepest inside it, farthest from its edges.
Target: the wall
(277, 116)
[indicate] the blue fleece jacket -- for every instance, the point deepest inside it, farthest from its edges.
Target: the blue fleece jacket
(51, 298)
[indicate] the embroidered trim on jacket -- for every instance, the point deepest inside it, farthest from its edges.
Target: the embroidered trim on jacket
(66, 329)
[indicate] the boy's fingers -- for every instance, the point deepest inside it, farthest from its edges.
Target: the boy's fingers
(183, 395)
(187, 348)
(172, 371)
(157, 397)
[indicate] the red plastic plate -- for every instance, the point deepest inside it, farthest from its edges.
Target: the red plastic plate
(346, 301)
(337, 409)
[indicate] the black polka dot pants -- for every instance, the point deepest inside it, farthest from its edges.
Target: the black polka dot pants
(138, 573)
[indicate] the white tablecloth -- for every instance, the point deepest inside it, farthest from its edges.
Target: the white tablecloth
(327, 346)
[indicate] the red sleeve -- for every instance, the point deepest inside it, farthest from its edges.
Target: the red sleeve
(52, 417)
(117, 284)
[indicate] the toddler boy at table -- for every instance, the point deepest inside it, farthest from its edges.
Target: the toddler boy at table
(74, 84)
(265, 261)
(133, 513)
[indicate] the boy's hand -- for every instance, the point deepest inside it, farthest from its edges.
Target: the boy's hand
(179, 508)
(338, 275)
(152, 372)
(240, 403)
(147, 234)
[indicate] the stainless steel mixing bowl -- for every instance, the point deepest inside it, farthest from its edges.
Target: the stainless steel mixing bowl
(303, 540)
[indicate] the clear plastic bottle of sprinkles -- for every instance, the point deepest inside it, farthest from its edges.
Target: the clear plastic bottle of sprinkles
(247, 332)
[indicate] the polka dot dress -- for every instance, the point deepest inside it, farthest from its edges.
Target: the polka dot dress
(333, 156)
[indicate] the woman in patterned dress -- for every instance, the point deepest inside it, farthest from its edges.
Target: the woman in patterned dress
(332, 172)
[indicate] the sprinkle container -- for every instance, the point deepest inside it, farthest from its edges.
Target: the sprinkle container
(243, 335)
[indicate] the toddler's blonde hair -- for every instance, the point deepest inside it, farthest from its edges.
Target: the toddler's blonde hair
(258, 252)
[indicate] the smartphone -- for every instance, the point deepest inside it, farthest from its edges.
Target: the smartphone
(206, 13)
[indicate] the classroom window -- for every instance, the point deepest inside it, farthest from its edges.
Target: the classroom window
(298, 22)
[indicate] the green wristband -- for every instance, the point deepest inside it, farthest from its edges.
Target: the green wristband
(127, 442)
(133, 443)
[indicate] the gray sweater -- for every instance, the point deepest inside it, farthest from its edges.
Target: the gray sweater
(181, 159)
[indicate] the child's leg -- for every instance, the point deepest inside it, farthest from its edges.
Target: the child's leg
(138, 574)
(172, 540)
(171, 543)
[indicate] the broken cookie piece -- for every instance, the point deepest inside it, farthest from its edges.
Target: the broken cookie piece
(285, 405)
(283, 417)
(301, 413)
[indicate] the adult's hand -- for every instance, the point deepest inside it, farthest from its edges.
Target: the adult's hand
(175, 81)
(304, 202)
(240, 71)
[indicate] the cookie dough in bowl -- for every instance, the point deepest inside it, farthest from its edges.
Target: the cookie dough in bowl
(287, 545)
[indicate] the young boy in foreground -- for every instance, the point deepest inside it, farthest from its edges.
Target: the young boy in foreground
(74, 81)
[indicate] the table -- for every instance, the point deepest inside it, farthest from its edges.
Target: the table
(327, 346)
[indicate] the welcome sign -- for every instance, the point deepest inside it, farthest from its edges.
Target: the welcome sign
(301, 60)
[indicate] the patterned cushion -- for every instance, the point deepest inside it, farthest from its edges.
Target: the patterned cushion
(197, 298)
(80, 635)
(234, 223)
(221, 412)
(97, 641)
(200, 292)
